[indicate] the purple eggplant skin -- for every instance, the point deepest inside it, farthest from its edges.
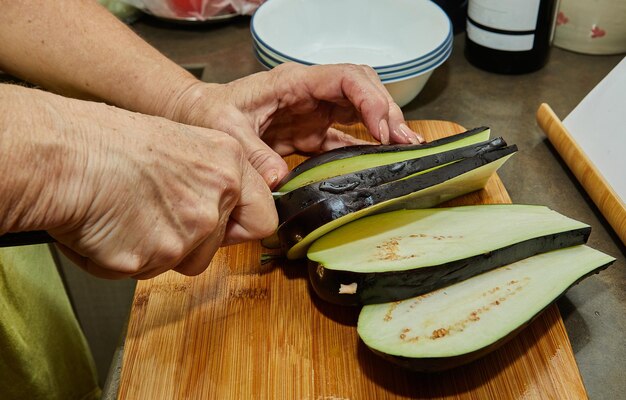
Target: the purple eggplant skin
(385, 287)
(439, 364)
(299, 199)
(333, 207)
(358, 150)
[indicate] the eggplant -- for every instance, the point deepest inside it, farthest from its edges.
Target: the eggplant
(456, 325)
(405, 253)
(418, 191)
(292, 203)
(354, 158)
(302, 197)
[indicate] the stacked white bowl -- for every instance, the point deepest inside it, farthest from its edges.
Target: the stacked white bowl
(403, 40)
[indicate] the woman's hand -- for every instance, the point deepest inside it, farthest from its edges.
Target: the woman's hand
(126, 194)
(291, 108)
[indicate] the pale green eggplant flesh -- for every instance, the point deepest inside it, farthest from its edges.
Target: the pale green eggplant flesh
(460, 323)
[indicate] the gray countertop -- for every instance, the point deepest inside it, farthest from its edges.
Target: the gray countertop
(595, 310)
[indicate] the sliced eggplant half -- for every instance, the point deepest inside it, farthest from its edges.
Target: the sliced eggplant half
(355, 158)
(303, 197)
(405, 253)
(419, 191)
(456, 325)
(300, 198)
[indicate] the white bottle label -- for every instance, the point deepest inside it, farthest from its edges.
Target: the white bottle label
(507, 25)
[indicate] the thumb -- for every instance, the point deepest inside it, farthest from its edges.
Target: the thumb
(255, 215)
(269, 164)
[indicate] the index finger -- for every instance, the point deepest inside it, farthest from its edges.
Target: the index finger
(361, 86)
(399, 131)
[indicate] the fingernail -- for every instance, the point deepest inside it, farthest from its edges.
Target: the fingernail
(383, 130)
(412, 136)
(271, 178)
(409, 137)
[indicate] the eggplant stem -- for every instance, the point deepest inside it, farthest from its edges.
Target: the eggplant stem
(269, 257)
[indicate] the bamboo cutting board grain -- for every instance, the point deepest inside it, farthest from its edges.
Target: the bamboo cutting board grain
(246, 331)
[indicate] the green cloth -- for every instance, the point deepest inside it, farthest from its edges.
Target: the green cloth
(43, 353)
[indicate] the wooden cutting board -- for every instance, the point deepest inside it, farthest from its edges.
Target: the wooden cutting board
(243, 330)
(596, 185)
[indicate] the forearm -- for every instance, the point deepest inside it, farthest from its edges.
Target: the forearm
(77, 48)
(36, 159)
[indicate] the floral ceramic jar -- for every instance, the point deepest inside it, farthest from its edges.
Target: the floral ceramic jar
(591, 26)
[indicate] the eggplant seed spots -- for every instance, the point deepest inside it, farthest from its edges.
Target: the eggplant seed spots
(388, 250)
(474, 316)
(392, 308)
(439, 333)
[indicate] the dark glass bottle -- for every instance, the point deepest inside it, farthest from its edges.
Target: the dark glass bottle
(456, 11)
(509, 36)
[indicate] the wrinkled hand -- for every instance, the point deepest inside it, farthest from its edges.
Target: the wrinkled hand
(143, 195)
(291, 108)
